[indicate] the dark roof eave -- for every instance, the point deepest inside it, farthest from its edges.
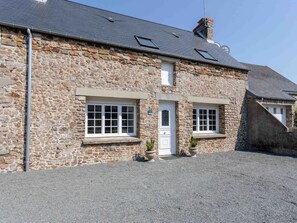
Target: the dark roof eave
(119, 45)
(270, 98)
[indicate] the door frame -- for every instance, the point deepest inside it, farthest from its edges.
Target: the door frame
(172, 121)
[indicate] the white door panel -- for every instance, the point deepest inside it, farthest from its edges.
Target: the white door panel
(167, 128)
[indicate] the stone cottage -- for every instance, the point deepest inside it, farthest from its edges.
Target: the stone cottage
(81, 85)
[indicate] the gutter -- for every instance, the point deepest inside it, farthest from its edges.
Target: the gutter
(122, 46)
(28, 114)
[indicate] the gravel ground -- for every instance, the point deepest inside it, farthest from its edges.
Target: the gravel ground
(220, 187)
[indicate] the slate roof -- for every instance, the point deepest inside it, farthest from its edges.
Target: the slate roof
(266, 83)
(73, 20)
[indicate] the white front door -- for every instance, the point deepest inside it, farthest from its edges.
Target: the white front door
(167, 128)
(279, 112)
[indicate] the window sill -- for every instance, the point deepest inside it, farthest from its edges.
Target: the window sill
(208, 135)
(110, 140)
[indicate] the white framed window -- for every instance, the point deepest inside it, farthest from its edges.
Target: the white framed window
(110, 118)
(206, 119)
(278, 111)
(167, 74)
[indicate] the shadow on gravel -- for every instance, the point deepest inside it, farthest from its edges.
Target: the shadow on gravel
(268, 153)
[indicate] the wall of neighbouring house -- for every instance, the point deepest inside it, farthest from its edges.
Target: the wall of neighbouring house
(60, 66)
(266, 133)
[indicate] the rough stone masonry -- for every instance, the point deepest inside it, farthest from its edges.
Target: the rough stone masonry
(61, 65)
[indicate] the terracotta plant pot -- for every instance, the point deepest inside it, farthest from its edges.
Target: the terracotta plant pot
(150, 155)
(193, 151)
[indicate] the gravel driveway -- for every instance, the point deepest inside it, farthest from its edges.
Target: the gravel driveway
(220, 187)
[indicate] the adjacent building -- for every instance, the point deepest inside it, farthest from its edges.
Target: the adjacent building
(271, 110)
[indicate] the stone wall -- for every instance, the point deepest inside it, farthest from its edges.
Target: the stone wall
(12, 98)
(60, 66)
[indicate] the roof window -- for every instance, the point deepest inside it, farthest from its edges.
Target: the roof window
(205, 55)
(142, 41)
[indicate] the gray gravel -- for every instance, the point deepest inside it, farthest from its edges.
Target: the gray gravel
(220, 187)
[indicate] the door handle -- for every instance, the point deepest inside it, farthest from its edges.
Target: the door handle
(164, 133)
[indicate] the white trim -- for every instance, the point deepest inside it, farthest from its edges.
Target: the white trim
(203, 107)
(117, 103)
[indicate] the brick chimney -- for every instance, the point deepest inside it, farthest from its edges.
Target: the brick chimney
(205, 27)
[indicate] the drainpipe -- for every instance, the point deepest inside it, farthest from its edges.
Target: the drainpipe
(28, 117)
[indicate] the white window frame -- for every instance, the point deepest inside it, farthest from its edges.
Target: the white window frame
(170, 75)
(119, 104)
(198, 119)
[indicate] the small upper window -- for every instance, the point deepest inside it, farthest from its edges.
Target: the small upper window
(206, 55)
(146, 42)
(167, 71)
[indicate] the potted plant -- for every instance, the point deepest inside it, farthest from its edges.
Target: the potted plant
(193, 147)
(150, 152)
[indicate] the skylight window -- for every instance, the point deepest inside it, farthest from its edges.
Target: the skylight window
(206, 55)
(146, 42)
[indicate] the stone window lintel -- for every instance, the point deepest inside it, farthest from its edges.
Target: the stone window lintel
(209, 135)
(110, 140)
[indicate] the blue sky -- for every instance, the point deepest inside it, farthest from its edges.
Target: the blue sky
(257, 31)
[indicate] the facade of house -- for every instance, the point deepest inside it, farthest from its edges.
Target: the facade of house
(271, 100)
(103, 83)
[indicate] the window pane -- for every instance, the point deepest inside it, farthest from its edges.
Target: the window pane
(90, 130)
(98, 130)
(127, 119)
(94, 119)
(90, 115)
(90, 108)
(111, 119)
(202, 119)
(98, 123)
(107, 108)
(114, 115)
(91, 123)
(114, 109)
(107, 115)
(98, 115)
(165, 118)
(98, 108)
(107, 122)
